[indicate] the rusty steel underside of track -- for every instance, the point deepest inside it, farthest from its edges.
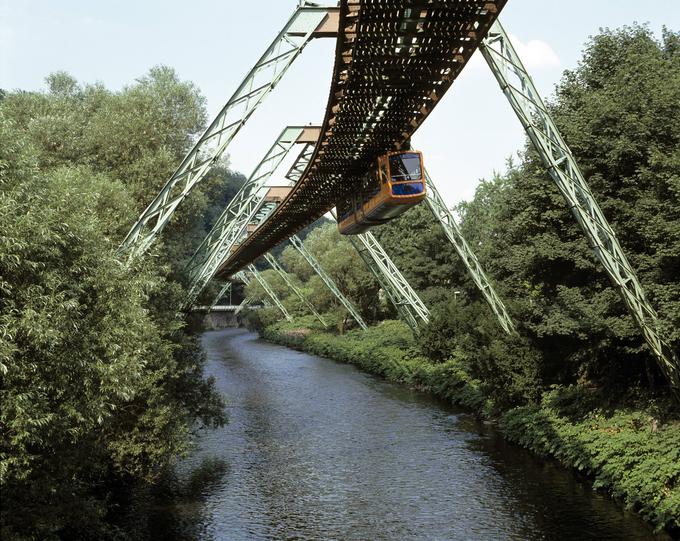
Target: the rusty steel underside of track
(394, 61)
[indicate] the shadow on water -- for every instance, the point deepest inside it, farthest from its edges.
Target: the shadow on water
(176, 507)
(319, 450)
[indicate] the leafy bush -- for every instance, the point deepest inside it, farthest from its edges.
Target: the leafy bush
(100, 387)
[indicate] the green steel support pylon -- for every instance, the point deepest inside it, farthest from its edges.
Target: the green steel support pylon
(445, 217)
(330, 283)
(525, 100)
(241, 275)
(245, 302)
(260, 81)
(275, 265)
(268, 290)
(404, 298)
(240, 211)
(223, 291)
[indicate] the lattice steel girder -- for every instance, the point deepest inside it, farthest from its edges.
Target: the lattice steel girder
(278, 268)
(525, 100)
(245, 302)
(445, 217)
(241, 210)
(241, 275)
(260, 279)
(401, 305)
(330, 283)
(308, 21)
(395, 61)
(223, 291)
(404, 298)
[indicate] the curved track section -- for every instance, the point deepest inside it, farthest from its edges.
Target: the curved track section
(394, 61)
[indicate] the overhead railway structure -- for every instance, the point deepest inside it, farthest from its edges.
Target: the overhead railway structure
(394, 61)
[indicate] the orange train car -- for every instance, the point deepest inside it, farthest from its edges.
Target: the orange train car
(395, 184)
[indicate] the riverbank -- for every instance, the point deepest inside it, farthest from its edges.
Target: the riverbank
(629, 453)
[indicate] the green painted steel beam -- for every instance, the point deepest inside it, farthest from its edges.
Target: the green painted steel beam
(298, 293)
(268, 290)
(223, 291)
(403, 297)
(409, 306)
(259, 82)
(525, 100)
(330, 283)
(448, 222)
(242, 209)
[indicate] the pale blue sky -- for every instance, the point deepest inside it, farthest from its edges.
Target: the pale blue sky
(214, 44)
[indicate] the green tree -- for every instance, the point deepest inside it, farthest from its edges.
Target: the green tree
(101, 387)
(618, 112)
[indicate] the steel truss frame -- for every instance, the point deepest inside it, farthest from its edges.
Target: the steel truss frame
(240, 211)
(267, 288)
(223, 291)
(245, 302)
(404, 298)
(283, 274)
(243, 276)
(330, 283)
(445, 217)
(525, 100)
(410, 307)
(306, 22)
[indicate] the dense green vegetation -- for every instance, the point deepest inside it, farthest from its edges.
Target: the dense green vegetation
(101, 386)
(619, 112)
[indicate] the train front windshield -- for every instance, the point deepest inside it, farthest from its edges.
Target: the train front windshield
(405, 167)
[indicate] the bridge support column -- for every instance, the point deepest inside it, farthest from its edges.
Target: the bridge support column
(283, 274)
(223, 291)
(268, 290)
(410, 308)
(330, 283)
(525, 100)
(445, 217)
(241, 210)
(308, 21)
(245, 302)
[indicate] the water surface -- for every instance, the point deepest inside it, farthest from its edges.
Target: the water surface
(319, 450)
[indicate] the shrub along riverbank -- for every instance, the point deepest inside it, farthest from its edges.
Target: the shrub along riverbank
(630, 452)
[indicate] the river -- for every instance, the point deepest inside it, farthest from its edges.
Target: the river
(316, 449)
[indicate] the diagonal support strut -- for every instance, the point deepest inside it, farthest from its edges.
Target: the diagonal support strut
(527, 103)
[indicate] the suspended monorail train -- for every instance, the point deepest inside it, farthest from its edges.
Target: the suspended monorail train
(393, 185)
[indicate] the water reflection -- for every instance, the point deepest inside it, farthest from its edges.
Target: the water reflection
(317, 450)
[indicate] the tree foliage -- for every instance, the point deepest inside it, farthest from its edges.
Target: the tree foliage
(100, 384)
(618, 112)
